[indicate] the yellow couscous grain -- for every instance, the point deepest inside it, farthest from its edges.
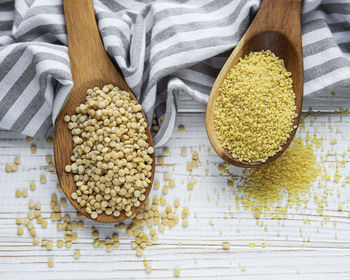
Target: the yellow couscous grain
(49, 141)
(25, 193)
(14, 167)
(185, 212)
(148, 268)
(225, 245)
(36, 240)
(255, 111)
(166, 151)
(176, 272)
(285, 179)
(43, 179)
(17, 160)
(229, 184)
(59, 188)
(160, 160)
(176, 203)
(48, 158)
(33, 149)
(8, 168)
(44, 224)
(32, 186)
(20, 231)
(162, 200)
(139, 252)
(166, 176)
(18, 193)
(172, 183)
(190, 185)
(50, 262)
(76, 254)
(165, 189)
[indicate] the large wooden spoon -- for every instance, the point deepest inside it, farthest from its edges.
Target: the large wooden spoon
(90, 66)
(276, 27)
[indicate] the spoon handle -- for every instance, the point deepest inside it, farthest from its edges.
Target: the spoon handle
(86, 52)
(282, 16)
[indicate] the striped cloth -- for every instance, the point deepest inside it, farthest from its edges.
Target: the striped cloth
(163, 48)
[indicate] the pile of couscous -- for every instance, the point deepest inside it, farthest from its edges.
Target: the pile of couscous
(255, 111)
(111, 159)
(284, 180)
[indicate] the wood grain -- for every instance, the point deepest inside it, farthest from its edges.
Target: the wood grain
(90, 66)
(270, 30)
(288, 255)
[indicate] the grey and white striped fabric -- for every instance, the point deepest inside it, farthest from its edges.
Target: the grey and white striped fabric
(162, 47)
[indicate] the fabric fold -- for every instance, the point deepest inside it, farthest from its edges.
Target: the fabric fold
(162, 48)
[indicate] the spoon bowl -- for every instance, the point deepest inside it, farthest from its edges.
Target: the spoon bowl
(91, 67)
(276, 27)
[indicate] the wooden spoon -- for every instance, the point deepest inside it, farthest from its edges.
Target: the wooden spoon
(276, 27)
(90, 66)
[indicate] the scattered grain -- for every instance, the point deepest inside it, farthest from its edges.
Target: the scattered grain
(43, 179)
(166, 151)
(19, 220)
(289, 176)
(226, 245)
(76, 254)
(20, 231)
(176, 272)
(25, 193)
(49, 141)
(18, 193)
(32, 186)
(17, 160)
(33, 149)
(148, 268)
(51, 263)
(48, 158)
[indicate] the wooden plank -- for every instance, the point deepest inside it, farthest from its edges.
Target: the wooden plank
(288, 253)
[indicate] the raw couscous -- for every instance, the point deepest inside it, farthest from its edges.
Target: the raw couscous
(111, 159)
(255, 111)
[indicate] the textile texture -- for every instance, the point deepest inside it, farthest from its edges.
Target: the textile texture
(163, 48)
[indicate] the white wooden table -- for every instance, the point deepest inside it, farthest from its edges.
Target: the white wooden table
(304, 246)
